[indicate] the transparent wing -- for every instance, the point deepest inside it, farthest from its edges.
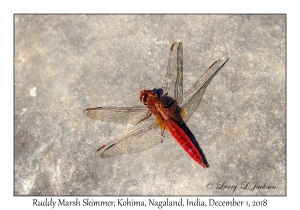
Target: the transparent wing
(173, 80)
(193, 96)
(148, 133)
(130, 115)
(172, 85)
(142, 138)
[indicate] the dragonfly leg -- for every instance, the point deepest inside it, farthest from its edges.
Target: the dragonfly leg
(144, 118)
(162, 130)
(162, 140)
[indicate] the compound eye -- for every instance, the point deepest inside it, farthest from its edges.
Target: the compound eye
(143, 96)
(144, 99)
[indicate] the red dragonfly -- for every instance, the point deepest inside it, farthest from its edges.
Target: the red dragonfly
(166, 108)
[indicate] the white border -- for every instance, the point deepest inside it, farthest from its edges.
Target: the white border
(8, 8)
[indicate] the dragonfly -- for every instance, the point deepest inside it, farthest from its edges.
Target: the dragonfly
(165, 108)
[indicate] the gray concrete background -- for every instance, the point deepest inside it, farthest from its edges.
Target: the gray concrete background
(66, 63)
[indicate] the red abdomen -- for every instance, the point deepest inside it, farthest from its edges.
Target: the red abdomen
(184, 141)
(167, 117)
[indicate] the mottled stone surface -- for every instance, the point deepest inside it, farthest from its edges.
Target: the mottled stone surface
(66, 63)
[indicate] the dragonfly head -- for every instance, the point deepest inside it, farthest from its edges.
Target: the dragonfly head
(144, 95)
